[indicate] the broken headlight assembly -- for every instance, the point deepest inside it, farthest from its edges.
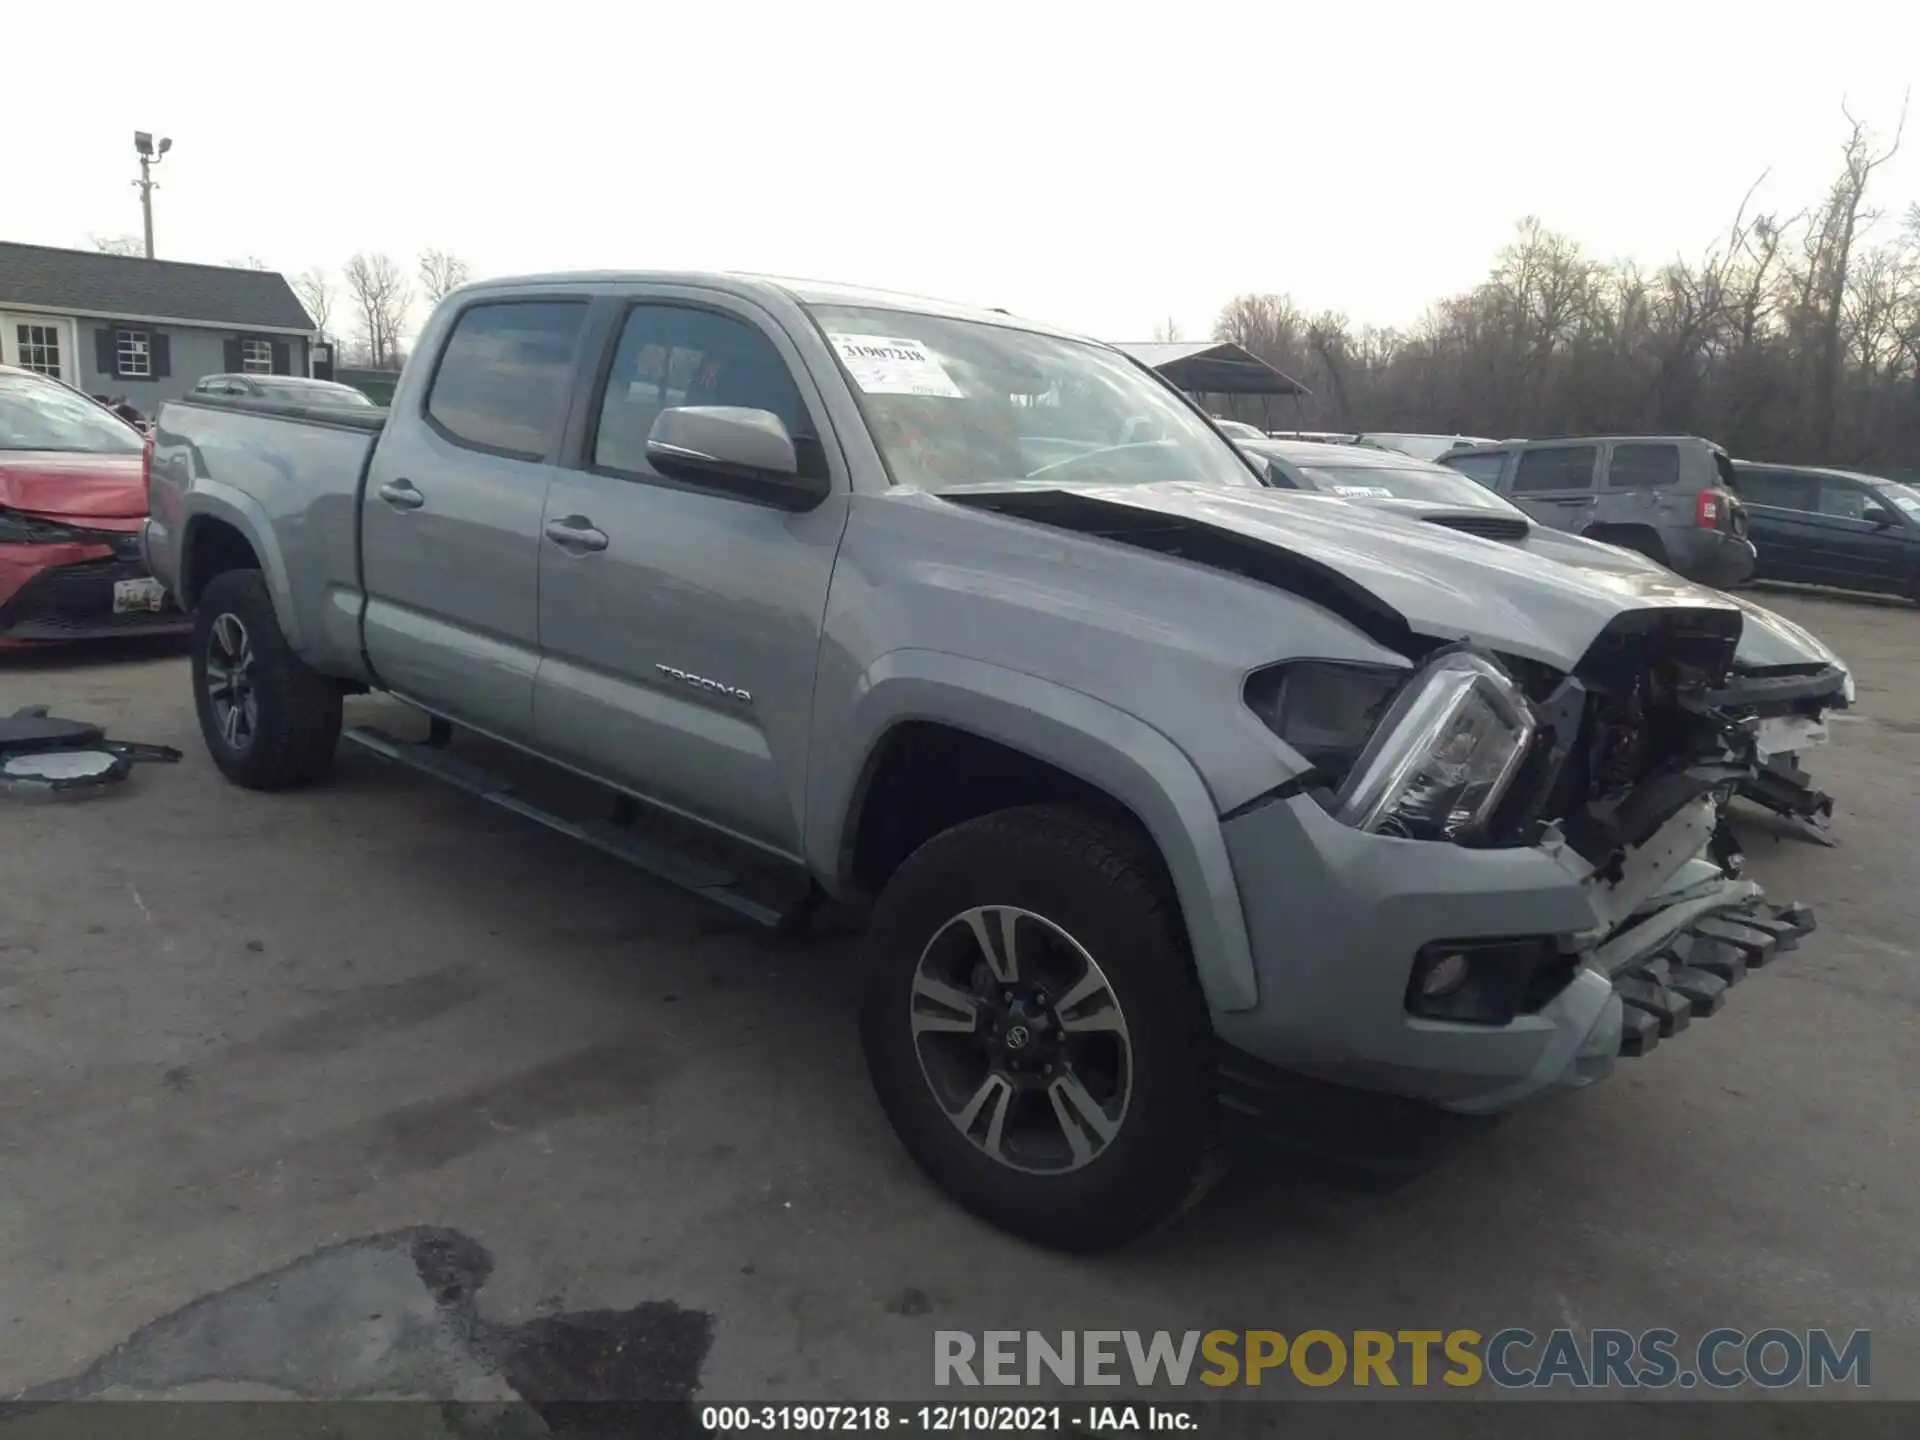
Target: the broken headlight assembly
(1426, 756)
(1325, 710)
(1444, 754)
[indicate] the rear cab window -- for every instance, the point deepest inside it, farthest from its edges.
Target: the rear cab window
(505, 375)
(1555, 467)
(1636, 466)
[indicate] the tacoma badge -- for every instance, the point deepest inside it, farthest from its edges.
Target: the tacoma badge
(700, 682)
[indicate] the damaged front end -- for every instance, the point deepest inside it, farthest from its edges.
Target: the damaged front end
(1620, 771)
(1786, 709)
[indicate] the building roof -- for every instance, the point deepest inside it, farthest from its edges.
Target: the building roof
(90, 282)
(1207, 367)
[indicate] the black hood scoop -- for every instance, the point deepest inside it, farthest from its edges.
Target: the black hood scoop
(1487, 524)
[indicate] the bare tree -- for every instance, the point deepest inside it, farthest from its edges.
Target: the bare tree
(250, 262)
(381, 299)
(119, 244)
(1167, 331)
(441, 273)
(315, 289)
(1794, 337)
(1840, 224)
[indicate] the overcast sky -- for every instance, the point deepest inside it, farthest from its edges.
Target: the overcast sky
(1091, 165)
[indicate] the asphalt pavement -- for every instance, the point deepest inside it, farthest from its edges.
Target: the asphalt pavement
(383, 1051)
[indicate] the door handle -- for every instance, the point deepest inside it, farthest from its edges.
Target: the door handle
(401, 495)
(576, 532)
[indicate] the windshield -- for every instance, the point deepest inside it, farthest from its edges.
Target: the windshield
(37, 414)
(315, 392)
(1905, 496)
(957, 402)
(1434, 484)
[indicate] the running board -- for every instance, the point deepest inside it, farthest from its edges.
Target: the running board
(706, 881)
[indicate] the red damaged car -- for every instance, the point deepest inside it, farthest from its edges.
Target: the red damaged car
(73, 494)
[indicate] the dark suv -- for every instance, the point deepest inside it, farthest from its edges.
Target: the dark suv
(1833, 527)
(1669, 497)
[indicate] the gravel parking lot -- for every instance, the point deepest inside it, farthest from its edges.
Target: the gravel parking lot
(325, 1044)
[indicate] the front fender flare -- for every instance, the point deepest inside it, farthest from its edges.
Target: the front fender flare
(1126, 759)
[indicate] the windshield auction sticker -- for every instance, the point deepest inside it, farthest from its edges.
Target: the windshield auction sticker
(883, 365)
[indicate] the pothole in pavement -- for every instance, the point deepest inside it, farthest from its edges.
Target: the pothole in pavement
(394, 1317)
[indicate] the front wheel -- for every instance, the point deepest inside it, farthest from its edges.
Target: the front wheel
(270, 721)
(1033, 1027)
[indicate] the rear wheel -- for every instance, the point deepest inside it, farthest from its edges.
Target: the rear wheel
(1034, 1030)
(270, 721)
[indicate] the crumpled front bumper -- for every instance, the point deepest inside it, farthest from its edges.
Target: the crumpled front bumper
(1688, 977)
(1336, 918)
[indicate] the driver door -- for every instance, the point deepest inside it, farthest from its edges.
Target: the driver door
(680, 625)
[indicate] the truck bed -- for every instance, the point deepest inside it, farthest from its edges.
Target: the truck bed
(288, 478)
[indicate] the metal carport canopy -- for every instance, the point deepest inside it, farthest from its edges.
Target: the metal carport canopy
(1212, 367)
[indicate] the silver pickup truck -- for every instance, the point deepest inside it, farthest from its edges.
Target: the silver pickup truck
(1164, 787)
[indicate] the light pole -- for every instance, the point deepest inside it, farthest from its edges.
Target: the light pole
(149, 157)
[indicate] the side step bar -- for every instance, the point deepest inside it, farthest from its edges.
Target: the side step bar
(706, 881)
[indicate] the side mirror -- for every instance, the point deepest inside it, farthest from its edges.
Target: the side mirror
(1879, 516)
(747, 453)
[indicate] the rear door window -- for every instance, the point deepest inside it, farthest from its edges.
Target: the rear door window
(1778, 489)
(1555, 467)
(1479, 466)
(505, 375)
(1637, 466)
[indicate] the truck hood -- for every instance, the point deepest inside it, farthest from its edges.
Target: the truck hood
(1767, 640)
(1372, 566)
(68, 487)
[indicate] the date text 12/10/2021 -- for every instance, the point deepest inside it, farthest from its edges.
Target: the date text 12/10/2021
(949, 1419)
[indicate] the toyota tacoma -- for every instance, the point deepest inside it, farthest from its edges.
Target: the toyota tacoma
(1153, 781)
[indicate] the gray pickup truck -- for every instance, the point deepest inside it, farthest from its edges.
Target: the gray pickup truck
(1158, 787)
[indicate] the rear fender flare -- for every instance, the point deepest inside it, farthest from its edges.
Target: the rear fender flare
(1129, 761)
(212, 501)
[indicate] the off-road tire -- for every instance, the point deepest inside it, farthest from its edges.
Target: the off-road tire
(298, 709)
(1099, 881)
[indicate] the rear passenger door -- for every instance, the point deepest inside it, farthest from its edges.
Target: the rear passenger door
(1779, 506)
(1642, 487)
(451, 516)
(1555, 484)
(679, 623)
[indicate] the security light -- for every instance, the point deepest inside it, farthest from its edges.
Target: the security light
(165, 144)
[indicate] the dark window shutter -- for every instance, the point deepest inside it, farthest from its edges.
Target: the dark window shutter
(106, 351)
(282, 363)
(158, 357)
(232, 348)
